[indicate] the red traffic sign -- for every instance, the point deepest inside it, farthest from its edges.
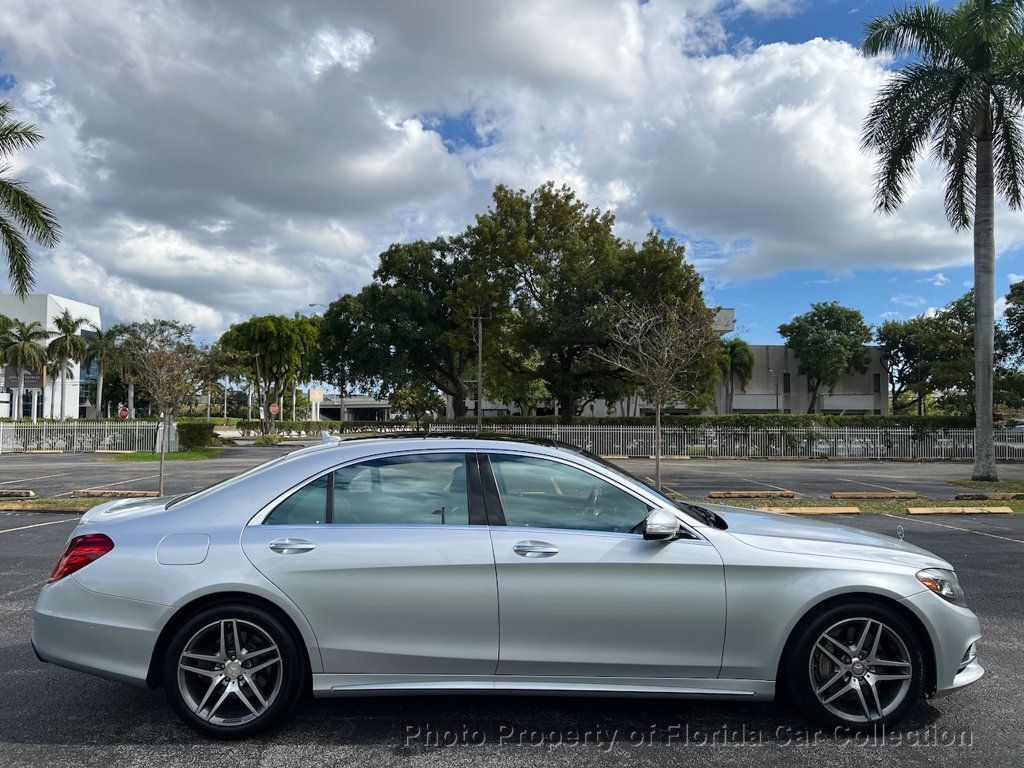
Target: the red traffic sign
(274, 408)
(122, 413)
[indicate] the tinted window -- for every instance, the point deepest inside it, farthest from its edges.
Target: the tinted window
(424, 489)
(307, 506)
(537, 493)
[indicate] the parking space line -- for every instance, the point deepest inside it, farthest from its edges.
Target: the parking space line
(769, 485)
(870, 485)
(38, 525)
(956, 528)
(38, 477)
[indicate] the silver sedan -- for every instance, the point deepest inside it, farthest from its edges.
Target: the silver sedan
(487, 565)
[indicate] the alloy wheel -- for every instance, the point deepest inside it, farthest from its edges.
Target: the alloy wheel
(230, 672)
(860, 670)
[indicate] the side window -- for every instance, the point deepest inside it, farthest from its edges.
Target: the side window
(423, 489)
(306, 506)
(537, 493)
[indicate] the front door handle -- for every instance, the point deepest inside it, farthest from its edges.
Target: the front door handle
(535, 549)
(288, 546)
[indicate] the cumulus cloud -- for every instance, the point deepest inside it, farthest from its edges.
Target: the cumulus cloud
(938, 280)
(907, 300)
(212, 160)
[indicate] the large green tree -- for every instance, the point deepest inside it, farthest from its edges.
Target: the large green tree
(910, 351)
(959, 90)
(567, 269)
(829, 341)
(22, 216)
(279, 351)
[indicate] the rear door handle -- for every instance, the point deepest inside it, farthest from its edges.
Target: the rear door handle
(289, 546)
(535, 549)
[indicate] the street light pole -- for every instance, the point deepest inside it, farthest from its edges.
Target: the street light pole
(480, 317)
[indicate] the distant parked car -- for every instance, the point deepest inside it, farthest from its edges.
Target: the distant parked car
(385, 565)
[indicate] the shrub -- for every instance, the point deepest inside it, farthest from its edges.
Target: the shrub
(264, 440)
(195, 434)
(741, 421)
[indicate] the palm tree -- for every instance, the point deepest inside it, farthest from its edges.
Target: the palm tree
(100, 348)
(961, 91)
(736, 361)
(52, 371)
(125, 363)
(21, 215)
(23, 349)
(67, 346)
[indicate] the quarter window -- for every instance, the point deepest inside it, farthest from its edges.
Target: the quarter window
(537, 493)
(307, 506)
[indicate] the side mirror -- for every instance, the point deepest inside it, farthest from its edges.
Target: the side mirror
(661, 525)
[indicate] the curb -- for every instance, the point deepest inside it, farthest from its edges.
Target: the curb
(991, 496)
(959, 511)
(10, 493)
(27, 507)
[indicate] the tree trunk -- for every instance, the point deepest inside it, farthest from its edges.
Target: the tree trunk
(657, 445)
(984, 307)
(459, 404)
(63, 384)
(812, 407)
(131, 399)
(566, 408)
(99, 393)
(731, 392)
(163, 450)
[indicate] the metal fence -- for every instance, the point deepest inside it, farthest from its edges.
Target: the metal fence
(767, 443)
(79, 436)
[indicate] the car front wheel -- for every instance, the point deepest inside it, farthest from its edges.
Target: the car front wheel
(856, 666)
(233, 670)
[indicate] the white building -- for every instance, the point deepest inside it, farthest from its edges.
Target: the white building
(44, 401)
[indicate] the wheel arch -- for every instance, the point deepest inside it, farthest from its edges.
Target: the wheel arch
(183, 613)
(923, 637)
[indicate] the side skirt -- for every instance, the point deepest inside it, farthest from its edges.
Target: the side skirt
(403, 685)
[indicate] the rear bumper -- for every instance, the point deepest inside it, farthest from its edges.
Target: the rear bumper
(954, 632)
(103, 635)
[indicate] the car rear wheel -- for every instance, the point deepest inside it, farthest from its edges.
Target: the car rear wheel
(233, 670)
(856, 666)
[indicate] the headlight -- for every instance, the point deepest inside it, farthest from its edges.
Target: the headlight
(943, 583)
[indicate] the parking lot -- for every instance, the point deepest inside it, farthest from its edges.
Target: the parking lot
(56, 717)
(61, 474)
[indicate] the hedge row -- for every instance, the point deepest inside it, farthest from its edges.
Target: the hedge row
(743, 420)
(195, 434)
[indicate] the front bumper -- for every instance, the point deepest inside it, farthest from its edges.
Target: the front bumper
(109, 636)
(954, 632)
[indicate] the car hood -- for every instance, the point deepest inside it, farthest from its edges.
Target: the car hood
(788, 533)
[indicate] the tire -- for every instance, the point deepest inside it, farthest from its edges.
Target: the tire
(233, 670)
(841, 677)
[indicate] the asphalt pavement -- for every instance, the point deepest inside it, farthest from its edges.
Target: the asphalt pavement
(62, 474)
(56, 717)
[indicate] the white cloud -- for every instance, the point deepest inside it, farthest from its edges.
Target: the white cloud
(222, 159)
(1014, 278)
(938, 279)
(907, 300)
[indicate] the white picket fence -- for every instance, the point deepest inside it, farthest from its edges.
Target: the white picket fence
(766, 443)
(79, 436)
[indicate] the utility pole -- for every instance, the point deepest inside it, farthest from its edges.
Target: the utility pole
(480, 317)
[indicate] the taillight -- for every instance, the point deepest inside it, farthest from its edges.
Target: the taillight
(81, 551)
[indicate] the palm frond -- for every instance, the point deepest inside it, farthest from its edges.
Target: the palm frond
(36, 219)
(17, 136)
(1008, 150)
(900, 123)
(19, 258)
(917, 30)
(956, 147)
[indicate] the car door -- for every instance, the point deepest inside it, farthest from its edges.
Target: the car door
(388, 560)
(582, 595)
